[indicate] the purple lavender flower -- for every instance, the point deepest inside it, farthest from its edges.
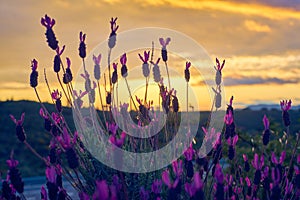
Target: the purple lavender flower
(189, 154)
(68, 77)
(164, 43)
(175, 103)
(195, 189)
(68, 145)
(51, 39)
(177, 168)
(281, 159)
(56, 121)
(34, 74)
(267, 132)
(246, 163)
(278, 164)
(229, 125)
(19, 127)
(289, 186)
(113, 35)
(108, 98)
(87, 83)
(275, 187)
(285, 107)
(51, 182)
(47, 122)
(112, 128)
(102, 190)
(229, 186)
(144, 109)
(172, 187)
(219, 71)
(56, 62)
(187, 74)
(257, 164)
(231, 149)
(57, 96)
(144, 194)
(217, 146)
(118, 142)
(249, 189)
(97, 60)
(145, 66)
(7, 191)
(166, 99)
(219, 186)
(78, 101)
(15, 175)
(43, 193)
(123, 61)
(156, 71)
(156, 188)
(266, 179)
(82, 45)
(116, 183)
(53, 152)
(229, 106)
(114, 77)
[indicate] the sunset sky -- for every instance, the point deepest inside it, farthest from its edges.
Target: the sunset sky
(258, 39)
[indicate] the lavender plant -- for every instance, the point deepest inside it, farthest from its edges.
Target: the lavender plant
(221, 174)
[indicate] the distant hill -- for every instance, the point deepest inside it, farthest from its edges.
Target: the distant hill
(269, 107)
(248, 121)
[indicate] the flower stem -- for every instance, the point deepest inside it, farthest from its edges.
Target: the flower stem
(101, 101)
(128, 88)
(34, 151)
(167, 69)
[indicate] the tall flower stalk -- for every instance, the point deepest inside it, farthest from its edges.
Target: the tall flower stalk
(164, 55)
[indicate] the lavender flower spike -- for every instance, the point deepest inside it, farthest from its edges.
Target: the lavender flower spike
(19, 127)
(68, 77)
(164, 43)
(267, 132)
(57, 96)
(113, 35)
(123, 61)
(145, 66)
(219, 71)
(57, 60)
(97, 73)
(285, 107)
(156, 71)
(102, 190)
(114, 77)
(34, 74)
(51, 39)
(43, 193)
(187, 74)
(82, 45)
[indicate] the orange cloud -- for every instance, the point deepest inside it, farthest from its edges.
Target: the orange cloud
(253, 9)
(256, 27)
